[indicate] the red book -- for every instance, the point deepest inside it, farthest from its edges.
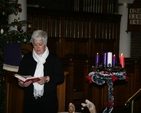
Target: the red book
(27, 78)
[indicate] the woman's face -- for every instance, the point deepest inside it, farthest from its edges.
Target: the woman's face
(39, 46)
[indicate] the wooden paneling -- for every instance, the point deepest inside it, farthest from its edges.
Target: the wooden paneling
(14, 94)
(75, 33)
(133, 24)
(54, 45)
(76, 46)
(76, 37)
(96, 6)
(79, 66)
(61, 93)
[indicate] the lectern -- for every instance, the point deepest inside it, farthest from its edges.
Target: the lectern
(14, 94)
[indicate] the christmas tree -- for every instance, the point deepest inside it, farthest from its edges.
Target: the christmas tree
(10, 36)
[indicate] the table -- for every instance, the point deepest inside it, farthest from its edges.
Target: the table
(102, 77)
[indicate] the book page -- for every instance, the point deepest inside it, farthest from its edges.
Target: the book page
(27, 78)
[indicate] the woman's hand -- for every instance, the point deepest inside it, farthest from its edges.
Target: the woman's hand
(43, 80)
(24, 84)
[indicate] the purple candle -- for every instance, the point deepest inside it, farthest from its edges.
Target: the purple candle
(114, 60)
(97, 59)
(104, 59)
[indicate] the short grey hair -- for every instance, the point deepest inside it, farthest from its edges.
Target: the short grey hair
(39, 35)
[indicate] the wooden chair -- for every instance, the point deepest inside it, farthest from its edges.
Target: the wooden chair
(61, 93)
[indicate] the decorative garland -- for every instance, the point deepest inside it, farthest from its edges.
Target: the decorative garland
(101, 76)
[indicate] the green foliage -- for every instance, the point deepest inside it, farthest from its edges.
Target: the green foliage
(9, 7)
(10, 36)
(15, 36)
(18, 35)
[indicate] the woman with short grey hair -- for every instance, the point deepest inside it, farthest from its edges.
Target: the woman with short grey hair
(40, 96)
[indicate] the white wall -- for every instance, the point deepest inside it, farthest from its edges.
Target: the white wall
(21, 16)
(125, 38)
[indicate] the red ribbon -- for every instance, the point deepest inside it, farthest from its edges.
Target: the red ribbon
(114, 78)
(89, 78)
(95, 70)
(105, 72)
(127, 78)
(110, 103)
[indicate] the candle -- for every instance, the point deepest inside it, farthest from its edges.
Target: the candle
(97, 59)
(104, 59)
(114, 60)
(121, 60)
(109, 59)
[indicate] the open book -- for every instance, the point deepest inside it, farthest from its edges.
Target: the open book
(27, 78)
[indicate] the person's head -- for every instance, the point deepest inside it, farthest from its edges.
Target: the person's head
(39, 41)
